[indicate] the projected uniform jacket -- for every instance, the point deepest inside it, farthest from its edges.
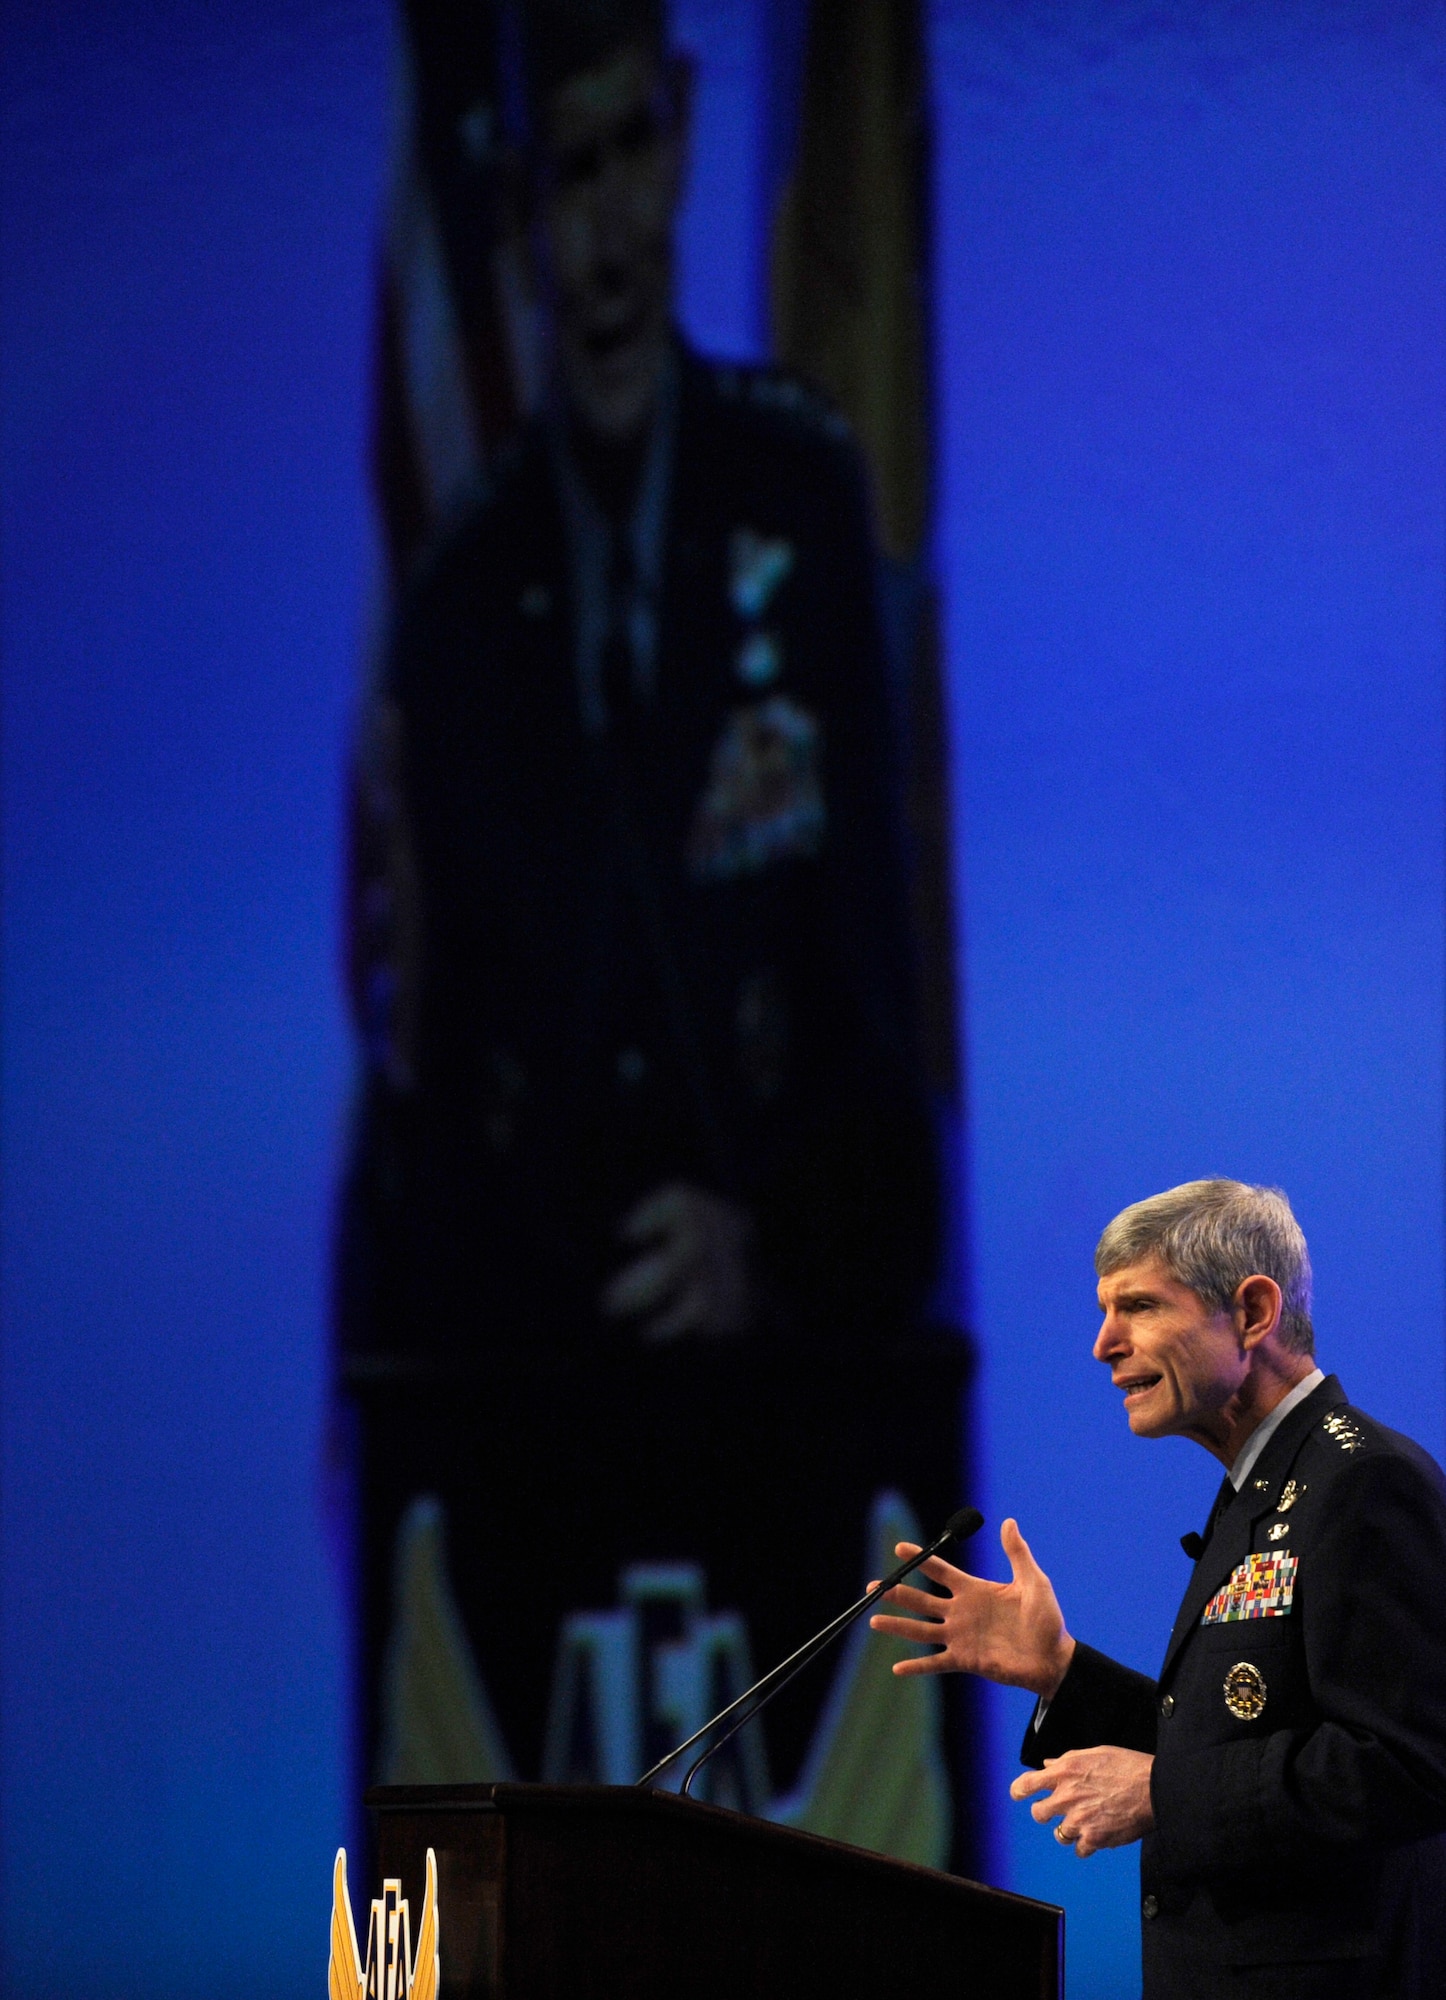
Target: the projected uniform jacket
(1298, 1727)
(666, 947)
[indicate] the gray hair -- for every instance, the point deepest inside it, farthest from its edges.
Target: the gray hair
(1211, 1236)
(560, 38)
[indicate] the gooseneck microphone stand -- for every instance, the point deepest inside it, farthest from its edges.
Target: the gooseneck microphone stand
(968, 1521)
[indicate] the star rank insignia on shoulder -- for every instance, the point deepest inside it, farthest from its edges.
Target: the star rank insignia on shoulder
(1344, 1429)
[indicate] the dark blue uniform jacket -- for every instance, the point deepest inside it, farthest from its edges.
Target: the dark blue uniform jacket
(682, 955)
(1298, 1727)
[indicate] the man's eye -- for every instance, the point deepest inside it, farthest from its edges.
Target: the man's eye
(582, 164)
(636, 136)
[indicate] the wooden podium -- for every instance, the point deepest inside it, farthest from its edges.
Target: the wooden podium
(582, 1892)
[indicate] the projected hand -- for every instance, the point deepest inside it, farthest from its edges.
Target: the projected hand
(1009, 1632)
(694, 1274)
(1101, 1797)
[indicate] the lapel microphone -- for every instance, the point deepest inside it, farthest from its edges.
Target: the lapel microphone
(1194, 1545)
(968, 1521)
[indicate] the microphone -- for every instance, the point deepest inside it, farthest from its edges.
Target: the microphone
(1193, 1545)
(959, 1527)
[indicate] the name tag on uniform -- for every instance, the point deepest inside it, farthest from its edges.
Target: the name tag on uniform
(1262, 1587)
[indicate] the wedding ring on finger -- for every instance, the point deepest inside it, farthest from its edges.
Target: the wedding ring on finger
(1065, 1839)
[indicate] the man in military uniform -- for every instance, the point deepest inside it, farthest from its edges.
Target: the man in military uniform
(1287, 1771)
(665, 1133)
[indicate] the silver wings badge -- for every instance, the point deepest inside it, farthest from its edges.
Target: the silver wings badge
(391, 1972)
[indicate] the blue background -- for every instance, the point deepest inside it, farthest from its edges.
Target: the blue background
(1191, 340)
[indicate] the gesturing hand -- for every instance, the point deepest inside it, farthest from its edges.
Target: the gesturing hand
(1100, 1797)
(1011, 1632)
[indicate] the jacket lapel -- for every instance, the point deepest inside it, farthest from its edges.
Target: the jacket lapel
(1229, 1545)
(694, 692)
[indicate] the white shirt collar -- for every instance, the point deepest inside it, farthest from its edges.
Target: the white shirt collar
(1265, 1430)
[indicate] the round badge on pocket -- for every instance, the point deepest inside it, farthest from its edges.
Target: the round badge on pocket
(1245, 1691)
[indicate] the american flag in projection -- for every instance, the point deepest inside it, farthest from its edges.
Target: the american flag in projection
(457, 364)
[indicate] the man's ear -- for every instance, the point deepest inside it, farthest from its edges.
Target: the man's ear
(1256, 1310)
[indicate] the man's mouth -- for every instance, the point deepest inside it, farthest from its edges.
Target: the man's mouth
(1136, 1385)
(610, 341)
(608, 338)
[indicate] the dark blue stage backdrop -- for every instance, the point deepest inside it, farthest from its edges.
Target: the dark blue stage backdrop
(190, 194)
(1191, 324)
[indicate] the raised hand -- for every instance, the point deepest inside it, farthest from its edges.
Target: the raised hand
(1009, 1632)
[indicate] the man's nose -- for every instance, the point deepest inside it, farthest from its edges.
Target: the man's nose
(1110, 1340)
(614, 191)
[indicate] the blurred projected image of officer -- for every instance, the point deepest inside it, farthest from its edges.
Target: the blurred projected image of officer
(1287, 1772)
(665, 1096)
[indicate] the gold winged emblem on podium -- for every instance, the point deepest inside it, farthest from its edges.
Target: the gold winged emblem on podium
(391, 1971)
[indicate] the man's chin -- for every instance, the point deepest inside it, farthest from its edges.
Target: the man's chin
(615, 398)
(1148, 1414)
